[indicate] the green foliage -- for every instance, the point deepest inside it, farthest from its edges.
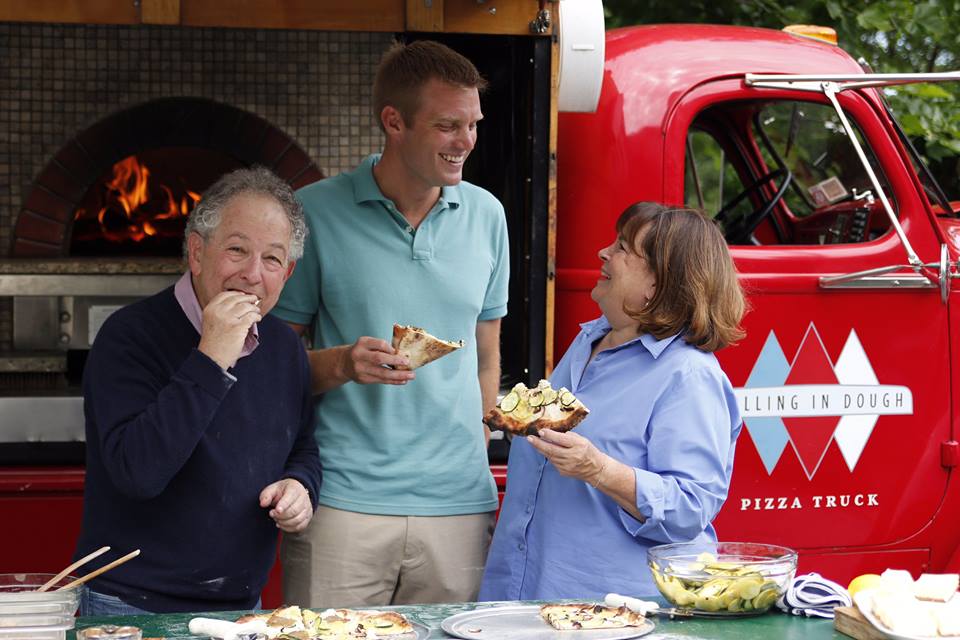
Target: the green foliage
(891, 36)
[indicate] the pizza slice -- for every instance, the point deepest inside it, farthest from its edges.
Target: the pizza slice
(385, 623)
(589, 616)
(526, 411)
(330, 624)
(294, 623)
(419, 346)
(285, 623)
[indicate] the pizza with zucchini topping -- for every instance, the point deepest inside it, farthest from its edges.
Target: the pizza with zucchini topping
(526, 411)
(589, 616)
(294, 623)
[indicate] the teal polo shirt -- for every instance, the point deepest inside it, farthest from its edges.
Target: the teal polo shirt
(415, 449)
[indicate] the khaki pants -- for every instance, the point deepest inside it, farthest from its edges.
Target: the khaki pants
(348, 559)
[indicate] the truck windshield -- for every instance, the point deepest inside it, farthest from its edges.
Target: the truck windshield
(930, 185)
(808, 139)
(784, 172)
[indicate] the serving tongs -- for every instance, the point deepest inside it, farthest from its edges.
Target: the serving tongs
(648, 608)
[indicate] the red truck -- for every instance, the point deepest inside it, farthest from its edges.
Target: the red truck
(848, 251)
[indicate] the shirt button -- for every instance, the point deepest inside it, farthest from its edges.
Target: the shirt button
(520, 546)
(529, 508)
(409, 229)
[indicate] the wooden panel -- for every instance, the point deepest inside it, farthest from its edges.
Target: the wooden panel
(70, 11)
(424, 15)
(333, 15)
(849, 621)
(160, 11)
(552, 210)
(493, 16)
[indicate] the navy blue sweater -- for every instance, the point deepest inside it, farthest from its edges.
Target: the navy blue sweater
(178, 453)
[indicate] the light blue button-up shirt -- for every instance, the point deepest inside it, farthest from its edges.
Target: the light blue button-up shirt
(661, 406)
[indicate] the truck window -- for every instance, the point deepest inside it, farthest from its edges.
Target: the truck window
(782, 173)
(710, 176)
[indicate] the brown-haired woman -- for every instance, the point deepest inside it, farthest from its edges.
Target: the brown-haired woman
(651, 463)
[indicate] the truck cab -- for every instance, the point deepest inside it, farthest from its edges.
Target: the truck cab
(847, 250)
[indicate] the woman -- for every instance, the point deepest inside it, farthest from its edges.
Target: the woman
(651, 463)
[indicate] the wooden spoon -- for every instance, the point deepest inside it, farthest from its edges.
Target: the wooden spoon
(82, 561)
(103, 569)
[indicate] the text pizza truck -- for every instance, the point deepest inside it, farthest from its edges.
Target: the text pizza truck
(848, 251)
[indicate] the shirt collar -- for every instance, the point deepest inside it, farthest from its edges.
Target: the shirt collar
(187, 298)
(596, 328)
(366, 189)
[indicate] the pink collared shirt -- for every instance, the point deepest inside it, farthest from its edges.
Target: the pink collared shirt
(187, 298)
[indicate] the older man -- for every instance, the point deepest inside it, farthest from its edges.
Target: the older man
(198, 412)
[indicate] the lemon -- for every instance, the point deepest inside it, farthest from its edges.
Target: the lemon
(865, 581)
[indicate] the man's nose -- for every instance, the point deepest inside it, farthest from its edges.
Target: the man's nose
(604, 253)
(252, 270)
(468, 139)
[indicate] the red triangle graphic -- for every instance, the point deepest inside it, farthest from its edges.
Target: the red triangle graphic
(811, 436)
(811, 366)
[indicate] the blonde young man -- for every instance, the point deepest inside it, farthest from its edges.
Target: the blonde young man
(407, 501)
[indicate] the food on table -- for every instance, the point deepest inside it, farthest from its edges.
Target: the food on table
(589, 616)
(733, 587)
(294, 623)
(927, 606)
(936, 587)
(527, 411)
(861, 582)
(419, 346)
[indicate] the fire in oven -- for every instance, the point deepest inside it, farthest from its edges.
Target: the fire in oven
(101, 228)
(124, 244)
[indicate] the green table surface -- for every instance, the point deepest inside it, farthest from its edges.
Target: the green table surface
(769, 626)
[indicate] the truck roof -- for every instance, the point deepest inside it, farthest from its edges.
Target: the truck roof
(669, 59)
(647, 72)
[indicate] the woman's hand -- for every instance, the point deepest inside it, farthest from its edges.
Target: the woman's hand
(576, 457)
(573, 455)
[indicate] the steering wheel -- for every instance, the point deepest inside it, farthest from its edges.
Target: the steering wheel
(739, 231)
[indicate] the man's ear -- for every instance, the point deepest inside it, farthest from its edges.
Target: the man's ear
(194, 252)
(391, 120)
(290, 268)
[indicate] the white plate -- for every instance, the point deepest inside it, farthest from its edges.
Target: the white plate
(864, 601)
(525, 623)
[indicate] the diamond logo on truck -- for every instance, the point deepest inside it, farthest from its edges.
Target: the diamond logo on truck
(810, 401)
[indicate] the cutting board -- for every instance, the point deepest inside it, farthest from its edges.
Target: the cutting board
(849, 621)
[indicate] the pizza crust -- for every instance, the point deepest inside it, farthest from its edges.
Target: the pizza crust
(419, 346)
(549, 413)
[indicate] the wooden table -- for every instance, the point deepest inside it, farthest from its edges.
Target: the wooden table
(769, 626)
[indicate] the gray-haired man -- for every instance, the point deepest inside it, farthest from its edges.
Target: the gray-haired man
(198, 416)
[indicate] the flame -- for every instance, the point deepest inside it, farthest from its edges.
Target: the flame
(130, 194)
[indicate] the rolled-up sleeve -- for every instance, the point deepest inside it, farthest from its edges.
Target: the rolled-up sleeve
(690, 445)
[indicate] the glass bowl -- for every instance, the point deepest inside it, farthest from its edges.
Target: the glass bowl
(722, 578)
(27, 613)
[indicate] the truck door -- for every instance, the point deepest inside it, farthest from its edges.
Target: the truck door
(843, 383)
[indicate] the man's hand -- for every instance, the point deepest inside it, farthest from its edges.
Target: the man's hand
(363, 362)
(573, 455)
(289, 504)
(226, 321)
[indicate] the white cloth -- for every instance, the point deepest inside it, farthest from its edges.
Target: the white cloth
(813, 595)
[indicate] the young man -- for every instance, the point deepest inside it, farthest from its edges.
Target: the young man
(408, 500)
(199, 416)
